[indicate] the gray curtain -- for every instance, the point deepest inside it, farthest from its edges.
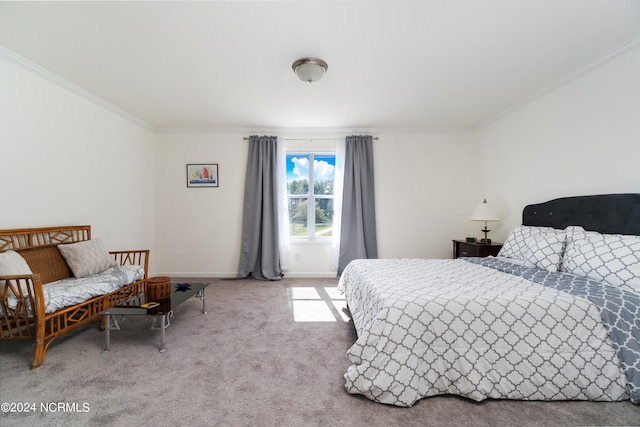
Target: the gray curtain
(259, 257)
(358, 230)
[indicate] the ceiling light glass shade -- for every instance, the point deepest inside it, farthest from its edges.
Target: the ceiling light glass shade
(484, 212)
(310, 69)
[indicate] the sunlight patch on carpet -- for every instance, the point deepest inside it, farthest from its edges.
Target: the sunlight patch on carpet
(317, 304)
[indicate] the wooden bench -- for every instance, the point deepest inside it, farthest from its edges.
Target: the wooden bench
(28, 319)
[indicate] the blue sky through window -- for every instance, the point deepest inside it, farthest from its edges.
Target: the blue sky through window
(324, 166)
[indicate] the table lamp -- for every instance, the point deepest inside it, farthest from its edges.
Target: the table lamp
(484, 212)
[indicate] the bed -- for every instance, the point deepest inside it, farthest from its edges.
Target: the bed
(555, 316)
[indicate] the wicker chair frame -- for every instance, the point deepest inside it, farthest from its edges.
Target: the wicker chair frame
(38, 246)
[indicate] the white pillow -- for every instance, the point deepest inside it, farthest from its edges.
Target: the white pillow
(516, 246)
(611, 258)
(545, 251)
(12, 263)
(87, 258)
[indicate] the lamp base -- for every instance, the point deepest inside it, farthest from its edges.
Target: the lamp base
(486, 240)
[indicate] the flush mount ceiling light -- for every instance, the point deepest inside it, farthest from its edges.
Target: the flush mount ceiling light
(310, 69)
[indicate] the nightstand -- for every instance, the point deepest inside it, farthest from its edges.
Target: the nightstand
(463, 248)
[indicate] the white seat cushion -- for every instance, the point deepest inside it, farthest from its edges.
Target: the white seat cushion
(72, 291)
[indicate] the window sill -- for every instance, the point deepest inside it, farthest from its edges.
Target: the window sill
(323, 242)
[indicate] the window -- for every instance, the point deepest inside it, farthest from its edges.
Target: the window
(310, 192)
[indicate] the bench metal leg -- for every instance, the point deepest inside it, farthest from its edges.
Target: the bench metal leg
(107, 333)
(111, 324)
(165, 322)
(163, 327)
(202, 295)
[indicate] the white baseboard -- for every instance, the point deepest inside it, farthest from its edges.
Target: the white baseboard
(201, 275)
(310, 275)
(233, 275)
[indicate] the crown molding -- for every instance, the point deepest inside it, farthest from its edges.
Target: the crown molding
(56, 79)
(585, 69)
(315, 131)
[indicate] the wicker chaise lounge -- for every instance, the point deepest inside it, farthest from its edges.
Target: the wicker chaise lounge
(24, 311)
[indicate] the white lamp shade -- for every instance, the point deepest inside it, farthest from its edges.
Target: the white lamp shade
(484, 212)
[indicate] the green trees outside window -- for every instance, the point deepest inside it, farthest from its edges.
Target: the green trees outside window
(310, 212)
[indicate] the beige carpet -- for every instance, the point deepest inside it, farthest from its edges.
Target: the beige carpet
(266, 354)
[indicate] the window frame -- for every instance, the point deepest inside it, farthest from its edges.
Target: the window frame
(310, 195)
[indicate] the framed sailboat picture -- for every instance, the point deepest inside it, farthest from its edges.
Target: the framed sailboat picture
(202, 175)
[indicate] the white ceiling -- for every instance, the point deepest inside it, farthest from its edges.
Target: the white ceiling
(393, 65)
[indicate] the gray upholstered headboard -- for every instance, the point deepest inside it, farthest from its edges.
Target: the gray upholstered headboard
(605, 213)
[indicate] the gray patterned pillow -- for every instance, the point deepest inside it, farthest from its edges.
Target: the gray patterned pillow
(575, 232)
(516, 246)
(611, 258)
(87, 258)
(12, 263)
(545, 251)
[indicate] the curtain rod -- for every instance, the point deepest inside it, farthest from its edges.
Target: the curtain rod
(309, 139)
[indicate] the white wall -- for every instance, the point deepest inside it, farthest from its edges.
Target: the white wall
(426, 189)
(198, 230)
(67, 160)
(427, 186)
(583, 138)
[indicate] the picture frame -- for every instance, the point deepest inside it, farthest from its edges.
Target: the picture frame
(202, 175)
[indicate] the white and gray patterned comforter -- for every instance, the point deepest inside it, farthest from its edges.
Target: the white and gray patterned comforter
(428, 327)
(72, 291)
